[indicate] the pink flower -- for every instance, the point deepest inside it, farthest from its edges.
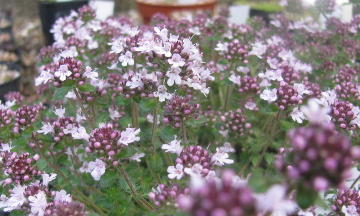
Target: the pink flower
(97, 169)
(46, 128)
(129, 136)
(220, 158)
(62, 72)
(173, 147)
(38, 203)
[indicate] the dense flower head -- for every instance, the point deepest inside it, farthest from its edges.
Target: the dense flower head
(19, 168)
(179, 109)
(166, 195)
(287, 96)
(219, 197)
(14, 96)
(68, 208)
(320, 157)
(86, 13)
(347, 202)
(235, 122)
(64, 127)
(68, 69)
(348, 91)
(6, 116)
(103, 141)
(47, 53)
(342, 114)
(196, 158)
(249, 85)
(24, 117)
(234, 51)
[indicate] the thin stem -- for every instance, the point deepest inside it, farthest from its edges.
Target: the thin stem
(78, 98)
(244, 168)
(356, 180)
(183, 131)
(96, 208)
(135, 114)
(168, 159)
(153, 131)
(132, 188)
(227, 97)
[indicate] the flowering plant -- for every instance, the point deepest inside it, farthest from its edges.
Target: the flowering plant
(198, 117)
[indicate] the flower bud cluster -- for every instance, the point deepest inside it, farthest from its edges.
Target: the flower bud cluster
(219, 197)
(314, 90)
(86, 13)
(68, 208)
(165, 195)
(235, 122)
(179, 109)
(236, 52)
(74, 69)
(14, 96)
(345, 74)
(20, 168)
(196, 155)
(249, 85)
(320, 157)
(25, 116)
(347, 90)
(342, 115)
(287, 96)
(6, 116)
(103, 141)
(47, 53)
(73, 41)
(325, 6)
(289, 74)
(62, 128)
(348, 200)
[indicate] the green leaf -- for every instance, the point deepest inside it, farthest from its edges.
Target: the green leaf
(125, 121)
(17, 213)
(41, 164)
(109, 176)
(137, 98)
(196, 122)
(88, 179)
(156, 163)
(87, 88)
(69, 83)
(61, 92)
(47, 138)
(102, 117)
(305, 197)
(147, 105)
(63, 160)
(286, 125)
(121, 101)
(270, 109)
(255, 159)
(168, 133)
(20, 142)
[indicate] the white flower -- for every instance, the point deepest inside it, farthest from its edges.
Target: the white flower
(224, 133)
(328, 98)
(258, 49)
(70, 53)
(126, 59)
(16, 200)
(220, 158)
(129, 136)
(163, 33)
(38, 203)
(71, 95)
(62, 196)
(162, 94)
(235, 79)
(211, 175)
(315, 113)
(176, 61)
(349, 210)
(114, 114)
(89, 73)
(173, 147)
(272, 75)
(174, 77)
(269, 95)
(195, 30)
(117, 46)
(6, 147)
(60, 112)
(137, 157)
(196, 169)
(48, 178)
(273, 63)
(276, 23)
(297, 115)
(274, 200)
(301, 89)
(222, 47)
(175, 172)
(97, 168)
(46, 128)
(80, 133)
(70, 129)
(44, 77)
(62, 72)
(136, 81)
(227, 147)
(250, 105)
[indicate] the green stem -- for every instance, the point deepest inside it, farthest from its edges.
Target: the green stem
(78, 98)
(355, 181)
(132, 188)
(227, 97)
(183, 131)
(135, 114)
(153, 131)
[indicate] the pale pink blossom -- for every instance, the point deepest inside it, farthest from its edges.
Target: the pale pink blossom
(175, 172)
(62, 72)
(38, 203)
(137, 157)
(46, 128)
(97, 168)
(129, 136)
(220, 158)
(173, 147)
(114, 114)
(62, 196)
(176, 61)
(162, 94)
(269, 95)
(297, 115)
(48, 178)
(60, 112)
(126, 59)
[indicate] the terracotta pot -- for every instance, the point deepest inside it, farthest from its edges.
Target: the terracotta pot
(147, 10)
